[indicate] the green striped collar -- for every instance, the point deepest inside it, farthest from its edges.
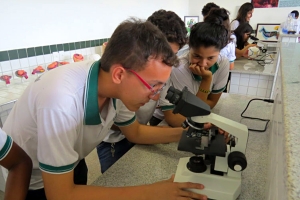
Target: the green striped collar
(213, 69)
(91, 107)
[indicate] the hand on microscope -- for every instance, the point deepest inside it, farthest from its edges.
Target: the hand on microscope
(220, 131)
(169, 190)
(245, 49)
(226, 134)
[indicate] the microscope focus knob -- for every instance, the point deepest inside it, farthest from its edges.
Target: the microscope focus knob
(237, 161)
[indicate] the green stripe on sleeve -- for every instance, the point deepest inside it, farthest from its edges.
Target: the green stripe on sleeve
(165, 108)
(56, 170)
(218, 91)
(6, 148)
(126, 123)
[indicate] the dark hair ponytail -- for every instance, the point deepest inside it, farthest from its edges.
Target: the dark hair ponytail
(207, 34)
(239, 33)
(219, 16)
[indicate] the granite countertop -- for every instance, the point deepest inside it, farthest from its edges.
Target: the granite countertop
(145, 164)
(243, 65)
(291, 111)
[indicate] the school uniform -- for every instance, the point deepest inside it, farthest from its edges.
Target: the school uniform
(5, 144)
(182, 76)
(57, 119)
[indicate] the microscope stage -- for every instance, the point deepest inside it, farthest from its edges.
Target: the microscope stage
(215, 186)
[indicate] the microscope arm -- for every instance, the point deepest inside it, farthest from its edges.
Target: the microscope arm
(234, 128)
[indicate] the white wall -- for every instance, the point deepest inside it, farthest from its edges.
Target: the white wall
(260, 15)
(31, 23)
(43, 22)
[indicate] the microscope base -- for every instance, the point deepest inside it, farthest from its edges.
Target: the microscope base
(216, 187)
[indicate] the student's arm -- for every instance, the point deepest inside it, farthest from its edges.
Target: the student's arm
(243, 52)
(19, 166)
(144, 134)
(61, 187)
(174, 120)
(231, 65)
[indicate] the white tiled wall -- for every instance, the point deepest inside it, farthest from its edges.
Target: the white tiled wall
(11, 92)
(251, 84)
(28, 64)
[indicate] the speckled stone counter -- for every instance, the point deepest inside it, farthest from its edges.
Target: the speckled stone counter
(291, 112)
(145, 164)
(243, 65)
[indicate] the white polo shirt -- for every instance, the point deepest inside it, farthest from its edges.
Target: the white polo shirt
(182, 76)
(57, 119)
(5, 144)
(229, 50)
(234, 24)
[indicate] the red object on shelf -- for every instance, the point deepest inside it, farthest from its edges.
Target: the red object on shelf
(38, 69)
(77, 57)
(5, 78)
(52, 65)
(21, 73)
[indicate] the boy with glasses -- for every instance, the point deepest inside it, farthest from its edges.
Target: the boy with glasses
(58, 121)
(115, 145)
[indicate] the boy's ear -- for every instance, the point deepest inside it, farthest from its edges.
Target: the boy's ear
(117, 73)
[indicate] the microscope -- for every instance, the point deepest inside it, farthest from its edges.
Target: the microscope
(217, 165)
(259, 52)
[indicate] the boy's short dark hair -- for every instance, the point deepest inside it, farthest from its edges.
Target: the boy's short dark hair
(133, 43)
(208, 7)
(171, 25)
(296, 13)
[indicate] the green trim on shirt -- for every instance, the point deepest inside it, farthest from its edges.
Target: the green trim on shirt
(57, 170)
(6, 148)
(218, 91)
(114, 103)
(125, 123)
(91, 108)
(213, 69)
(165, 108)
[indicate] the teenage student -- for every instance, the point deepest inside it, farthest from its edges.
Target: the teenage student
(202, 70)
(244, 15)
(240, 38)
(115, 144)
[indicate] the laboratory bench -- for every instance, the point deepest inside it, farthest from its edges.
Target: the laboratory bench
(273, 171)
(253, 77)
(146, 164)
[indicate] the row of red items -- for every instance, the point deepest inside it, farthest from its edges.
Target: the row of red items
(40, 69)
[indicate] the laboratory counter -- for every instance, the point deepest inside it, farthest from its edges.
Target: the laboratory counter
(146, 164)
(248, 66)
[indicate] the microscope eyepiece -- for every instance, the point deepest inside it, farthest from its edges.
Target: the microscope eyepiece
(186, 103)
(173, 95)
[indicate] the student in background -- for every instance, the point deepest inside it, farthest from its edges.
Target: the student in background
(202, 70)
(207, 8)
(115, 145)
(244, 15)
(221, 14)
(295, 24)
(19, 166)
(240, 38)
